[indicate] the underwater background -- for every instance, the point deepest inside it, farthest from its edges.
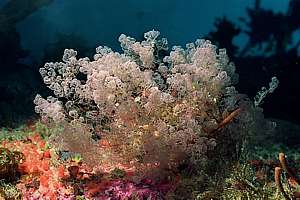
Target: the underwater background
(261, 37)
(35, 32)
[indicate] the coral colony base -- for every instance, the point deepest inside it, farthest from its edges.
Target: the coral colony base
(146, 117)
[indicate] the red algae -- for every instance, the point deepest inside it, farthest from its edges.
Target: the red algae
(42, 179)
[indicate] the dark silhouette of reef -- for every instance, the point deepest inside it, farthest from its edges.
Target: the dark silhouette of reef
(18, 82)
(11, 13)
(269, 51)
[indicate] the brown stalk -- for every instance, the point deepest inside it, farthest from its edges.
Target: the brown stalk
(286, 168)
(277, 177)
(225, 121)
(229, 118)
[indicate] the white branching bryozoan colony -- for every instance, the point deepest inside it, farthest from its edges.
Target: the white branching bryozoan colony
(154, 108)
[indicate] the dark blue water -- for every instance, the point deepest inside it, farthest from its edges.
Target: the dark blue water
(101, 22)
